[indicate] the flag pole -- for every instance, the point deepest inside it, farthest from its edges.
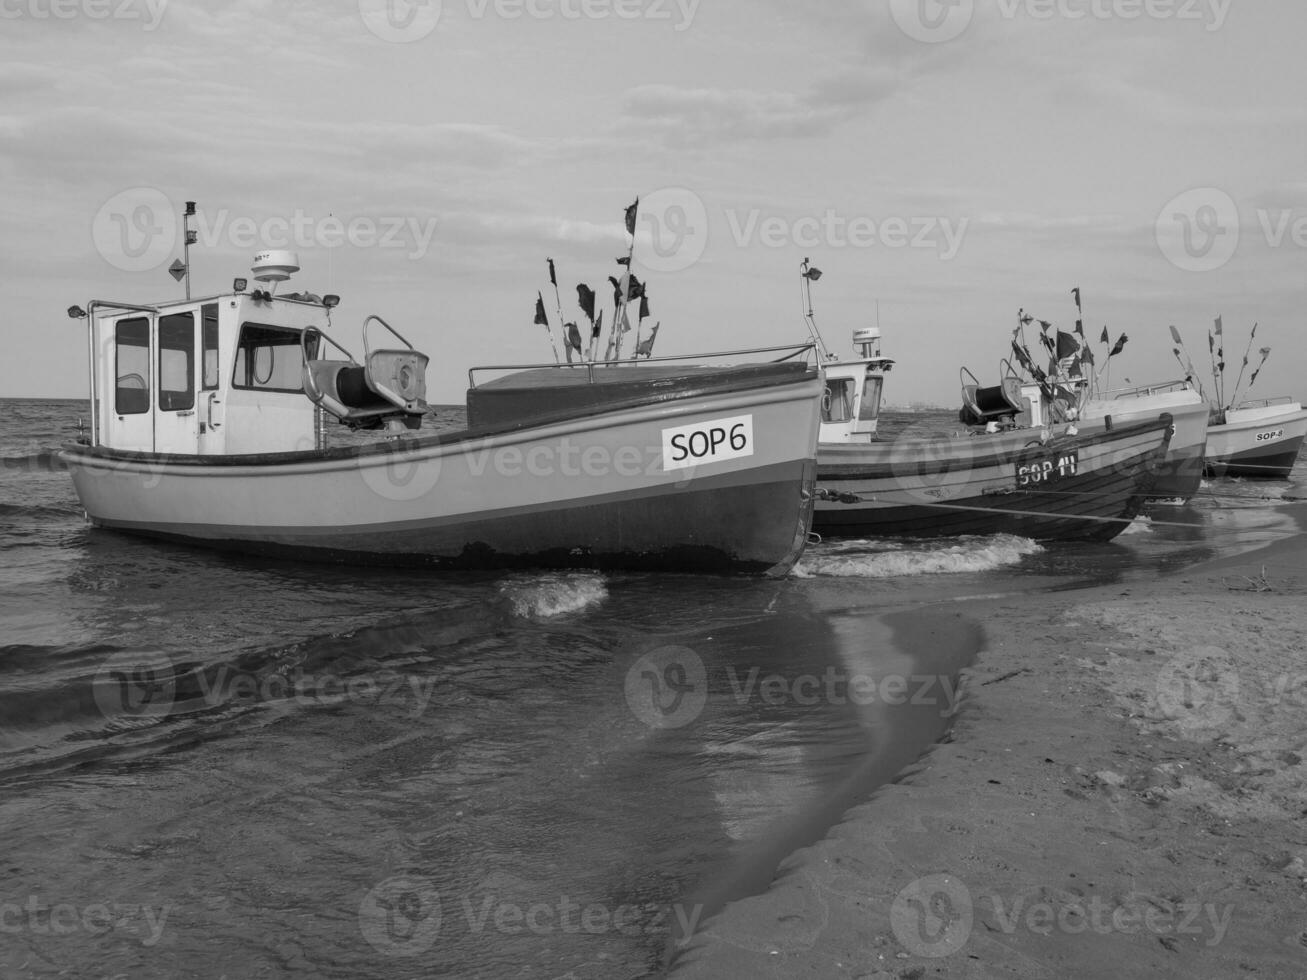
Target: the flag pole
(632, 215)
(1188, 362)
(1249, 350)
(562, 327)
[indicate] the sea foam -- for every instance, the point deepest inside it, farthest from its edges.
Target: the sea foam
(883, 559)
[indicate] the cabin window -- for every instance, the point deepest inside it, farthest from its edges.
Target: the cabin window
(870, 407)
(177, 362)
(132, 366)
(269, 358)
(209, 345)
(837, 406)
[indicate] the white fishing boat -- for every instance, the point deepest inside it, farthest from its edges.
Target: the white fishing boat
(1259, 439)
(208, 426)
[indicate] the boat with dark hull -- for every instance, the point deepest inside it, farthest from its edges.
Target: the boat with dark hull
(1010, 469)
(208, 427)
(1053, 484)
(1258, 440)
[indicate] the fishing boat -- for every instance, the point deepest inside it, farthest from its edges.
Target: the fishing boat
(1258, 439)
(1008, 470)
(1051, 482)
(1072, 390)
(209, 427)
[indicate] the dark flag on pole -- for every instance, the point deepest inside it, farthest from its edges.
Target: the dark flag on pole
(1106, 338)
(1175, 335)
(1076, 293)
(636, 290)
(1120, 346)
(542, 318)
(598, 327)
(631, 214)
(553, 279)
(573, 341)
(585, 296)
(1067, 345)
(646, 346)
(644, 306)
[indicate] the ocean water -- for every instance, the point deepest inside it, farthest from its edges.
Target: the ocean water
(220, 767)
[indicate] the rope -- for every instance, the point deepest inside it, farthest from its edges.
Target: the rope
(853, 498)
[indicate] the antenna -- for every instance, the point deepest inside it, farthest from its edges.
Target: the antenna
(188, 239)
(809, 274)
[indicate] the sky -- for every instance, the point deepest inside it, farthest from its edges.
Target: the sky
(946, 163)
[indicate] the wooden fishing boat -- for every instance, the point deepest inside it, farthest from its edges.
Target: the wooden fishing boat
(1258, 439)
(208, 427)
(1046, 482)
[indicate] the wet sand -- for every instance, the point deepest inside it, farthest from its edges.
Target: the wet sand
(1124, 794)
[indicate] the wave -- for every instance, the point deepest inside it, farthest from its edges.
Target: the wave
(38, 510)
(883, 559)
(553, 594)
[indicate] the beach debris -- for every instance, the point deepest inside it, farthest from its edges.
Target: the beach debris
(1259, 584)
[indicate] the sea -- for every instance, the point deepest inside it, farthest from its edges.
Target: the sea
(217, 766)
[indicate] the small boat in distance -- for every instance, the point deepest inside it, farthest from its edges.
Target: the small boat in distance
(208, 427)
(1260, 440)
(997, 475)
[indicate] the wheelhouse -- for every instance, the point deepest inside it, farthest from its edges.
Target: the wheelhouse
(851, 403)
(240, 374)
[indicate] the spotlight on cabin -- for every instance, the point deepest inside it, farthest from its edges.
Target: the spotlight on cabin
(75, 312)
(239, 285)
(331, 301)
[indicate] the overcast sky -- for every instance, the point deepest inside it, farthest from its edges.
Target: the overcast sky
(954, 161)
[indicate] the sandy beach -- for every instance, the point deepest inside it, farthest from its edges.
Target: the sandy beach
(1121, 795)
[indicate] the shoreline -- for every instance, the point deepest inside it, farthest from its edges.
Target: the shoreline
(1120, 796)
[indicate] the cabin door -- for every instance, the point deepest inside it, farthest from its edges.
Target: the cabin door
(176, 424)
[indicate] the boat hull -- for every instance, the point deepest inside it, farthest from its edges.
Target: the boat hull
(1180, 474)
(1259, 444)
(991, 484)
(599, 491)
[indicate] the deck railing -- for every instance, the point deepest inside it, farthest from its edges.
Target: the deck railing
(790, 351)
